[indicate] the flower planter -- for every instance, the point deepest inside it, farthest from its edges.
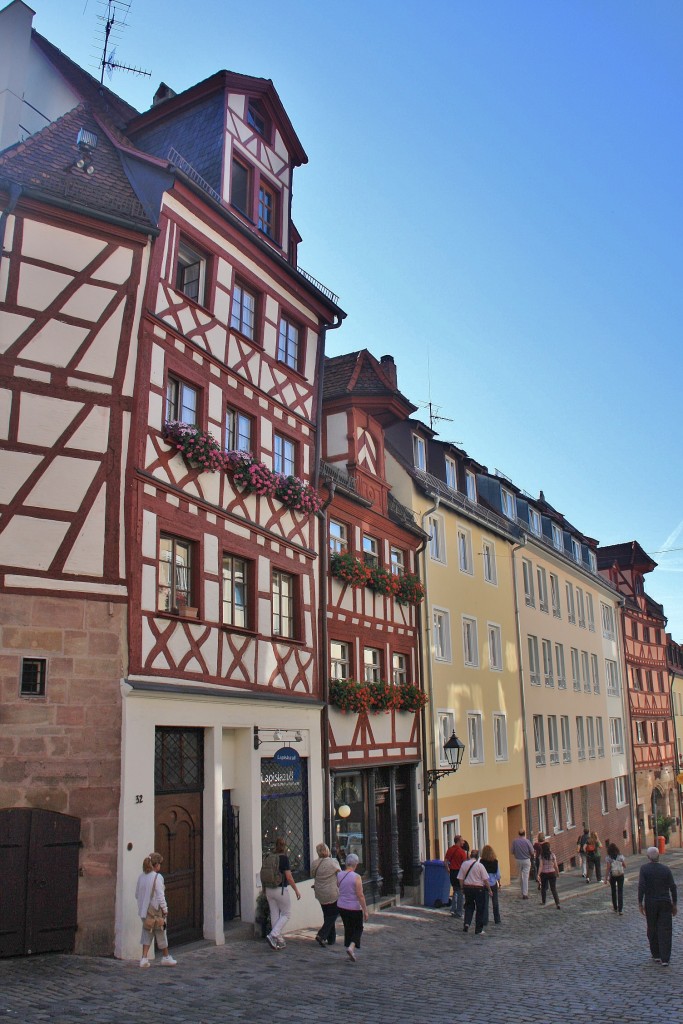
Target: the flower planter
(188, 612)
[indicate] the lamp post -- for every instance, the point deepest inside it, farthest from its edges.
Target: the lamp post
(454, 750)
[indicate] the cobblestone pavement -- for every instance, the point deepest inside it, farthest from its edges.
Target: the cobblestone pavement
(416, 965)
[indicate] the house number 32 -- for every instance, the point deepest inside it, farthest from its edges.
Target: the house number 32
(138, 798)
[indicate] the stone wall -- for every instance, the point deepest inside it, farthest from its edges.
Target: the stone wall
(62, 752)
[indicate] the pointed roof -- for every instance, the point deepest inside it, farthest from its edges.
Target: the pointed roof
(628, 555)
(358, 378)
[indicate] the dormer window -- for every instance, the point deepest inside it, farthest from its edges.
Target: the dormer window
(507, 500)
(557, 537)
(471, 483)
(191, 273)
(419, 452)
(451, 475)
(576, 550)
(535, 522)
(258, 119)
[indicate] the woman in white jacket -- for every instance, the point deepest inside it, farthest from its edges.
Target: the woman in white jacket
(150, 890)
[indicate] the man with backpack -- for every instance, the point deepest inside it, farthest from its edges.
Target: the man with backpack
(277, 879)
(581, 850)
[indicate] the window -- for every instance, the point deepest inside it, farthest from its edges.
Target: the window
(576, 550)
(648, 680)
(620, 790)
(419, 452)
(535, 522)
(446, 730)
(566, 739)
(634, 630)
(604, 807)
(437, 547)
(338, 538)
(571, 614)
(283, 604)
(637, 679)
(285, 810)
(190, 273)
(33, 672)
(558, 542)
(238, 431)
(548, 675)
(569, 807)
(539, 740)
(240, 187)
(370, 550)
(555, 595)
(495, 648)
(607, 615)
(616, 735)
(580, 738)
(465, 562)
(593, 561)
(595, 673)
(585, 672)
(442, 635)
(284, 455)
(500, 737)
(557, 812)
(553, 745)
(399, 669)
(182, 401)
(581, 608)
(235, 592)
(397, 562)
(475, 736)
(559, 664)
(479, 830)
(590, 612)
(641, 734)
(528, 574)
(646, 634)
(267, 210)
(576, 672)
(288, 343)
(654, 732)
(340, 660)
(243, 312)
(470, 643)
(600, 734)
(542, 815)
(175, 574)
(471, 485)
(490, 568)
(372, 665)
(590, 734)
(451, 473)
(507, 501)
(451, 829)
(534, 665)
(542, 588)
(258, 119)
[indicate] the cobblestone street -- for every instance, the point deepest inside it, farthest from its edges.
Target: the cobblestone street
(416, 965)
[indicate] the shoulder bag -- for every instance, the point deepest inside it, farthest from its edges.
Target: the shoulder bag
(154, 920)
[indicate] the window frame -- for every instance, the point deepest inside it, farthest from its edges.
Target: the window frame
(534, 660)
(508, 504)
(566, 739)
(372, 664)
(494, 632)
(337, 544)
(238, 319)
(489, 562)
(419, 453)
(555, 595)
(475, 737)
(560, 666)
(500, 736)
(268, 218)
(33, 687)
(446, 728)
(444, 651)
(548, 662)
(343, 659)
(397, 561)
(285, 454)
(201, 260)
(471, 485)
(289, 342)
(571, 607)
(173, 606)
(399, 668)
(528, 581)
(437, 539)
(470, 641)
(246, 605)
(277, 599)
(174, 407)
(553, 741)
(580, 739)
(576, 668)
(371, 549)
(465, 556)
(234, 431)
(542, 582)
(538, 725)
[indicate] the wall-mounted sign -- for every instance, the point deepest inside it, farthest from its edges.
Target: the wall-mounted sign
(288, 757)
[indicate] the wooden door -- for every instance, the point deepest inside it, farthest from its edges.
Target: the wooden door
(178, 838)
(39, 872)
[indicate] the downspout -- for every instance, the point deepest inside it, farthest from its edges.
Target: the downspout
(324, 670)
(672, 680)
(525, 743)
(626, 711)
(430, 693)
(14, 194)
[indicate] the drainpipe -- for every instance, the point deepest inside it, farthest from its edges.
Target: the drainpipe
(630, 759)
(672, 680)
(427, 654)
(14, 194)
(525, 743)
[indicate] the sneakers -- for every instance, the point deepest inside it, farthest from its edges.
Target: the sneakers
(281, 942)
(272, 941)
(351, 954)
(144, 962)
(168, 961)
(664, 963)
(657, 959)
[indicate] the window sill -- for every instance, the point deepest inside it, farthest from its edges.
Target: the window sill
(238, 630)
(245, 337)
(175, 617)
(193, 302)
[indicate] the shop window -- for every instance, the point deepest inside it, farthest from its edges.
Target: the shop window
(284, 812)
(349, 830)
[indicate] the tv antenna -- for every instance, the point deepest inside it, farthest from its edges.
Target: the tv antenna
(433, 409)
(114, 18)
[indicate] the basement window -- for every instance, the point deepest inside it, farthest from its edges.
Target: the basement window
(33, 672)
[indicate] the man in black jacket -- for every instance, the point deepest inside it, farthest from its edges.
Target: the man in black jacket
(656, 887)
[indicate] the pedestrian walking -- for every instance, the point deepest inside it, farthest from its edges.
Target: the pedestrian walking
(657, 900)
(277, 879)
(548, 872)
(592, 849)
(540, 839)
(615, 864)
(474, 879)
(523, 852)
(490, 863)
(581, 849)
(150, 894)
(453, 859)
(352, 906)
(324, 870)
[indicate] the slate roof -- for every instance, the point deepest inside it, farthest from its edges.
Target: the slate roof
(627, 555)
(44, 163)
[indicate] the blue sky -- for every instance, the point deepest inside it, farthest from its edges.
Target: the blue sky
(494, 191)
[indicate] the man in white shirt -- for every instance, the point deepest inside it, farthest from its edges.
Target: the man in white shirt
(474, 878)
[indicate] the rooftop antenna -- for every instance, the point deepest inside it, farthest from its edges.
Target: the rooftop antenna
(113, 19)
(433, 409)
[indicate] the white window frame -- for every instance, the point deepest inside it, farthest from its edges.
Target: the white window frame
(576, 668)
(616, 735)
(548, 673)
(450, 828)
(556, 803)
(441, 628)
(372, 664)
(580, 608)
(399, 668)
(590, 736)
(475, 737)
(604, 805)
(338, 537)
(558, 537)
(569, 808)
(576, 550)
(571, 611)
(607, 619)
(555, 595)
(470, 642)
(489, 559)
(566, 735)
(535, 522)
(539, 740)
(612, 675)
(419, 453)
(495, 643)
(580, 739)
(534, 663)
(465, 558)
(528, 578)
(620, 791)
(595, 673)
(585, 672)
(437, 539)
(480, 829)
(508, 504)
(553, 740)
(542, 810)
(542, 581)
(340, 665)
(446, 728)
(471, 485)
(451, 473)
(397, 561)
(590, 612)
(500, 736)
(600, 735)
(561, 667)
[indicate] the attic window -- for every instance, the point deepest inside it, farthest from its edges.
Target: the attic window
(258, 119)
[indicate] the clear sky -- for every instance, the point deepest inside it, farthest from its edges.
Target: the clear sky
(494, 190)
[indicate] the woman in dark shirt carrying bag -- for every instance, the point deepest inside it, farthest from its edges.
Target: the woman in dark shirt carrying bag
(324, 870)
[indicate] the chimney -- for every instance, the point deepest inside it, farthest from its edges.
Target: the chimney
(163, 93)
(389, 367)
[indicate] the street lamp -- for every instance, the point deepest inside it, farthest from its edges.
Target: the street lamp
(454, 750)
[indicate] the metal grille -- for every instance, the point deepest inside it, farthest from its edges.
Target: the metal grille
(179, 761)
(284, 812)
(231, 859)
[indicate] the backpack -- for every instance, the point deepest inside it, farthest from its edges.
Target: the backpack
(271, 876)
(616, 868)
(589, 847)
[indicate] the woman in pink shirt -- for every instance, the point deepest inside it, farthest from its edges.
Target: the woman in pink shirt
(351, 905)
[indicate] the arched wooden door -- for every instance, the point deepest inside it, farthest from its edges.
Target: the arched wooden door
(39, 887)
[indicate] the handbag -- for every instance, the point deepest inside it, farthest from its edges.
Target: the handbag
(154, 920)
